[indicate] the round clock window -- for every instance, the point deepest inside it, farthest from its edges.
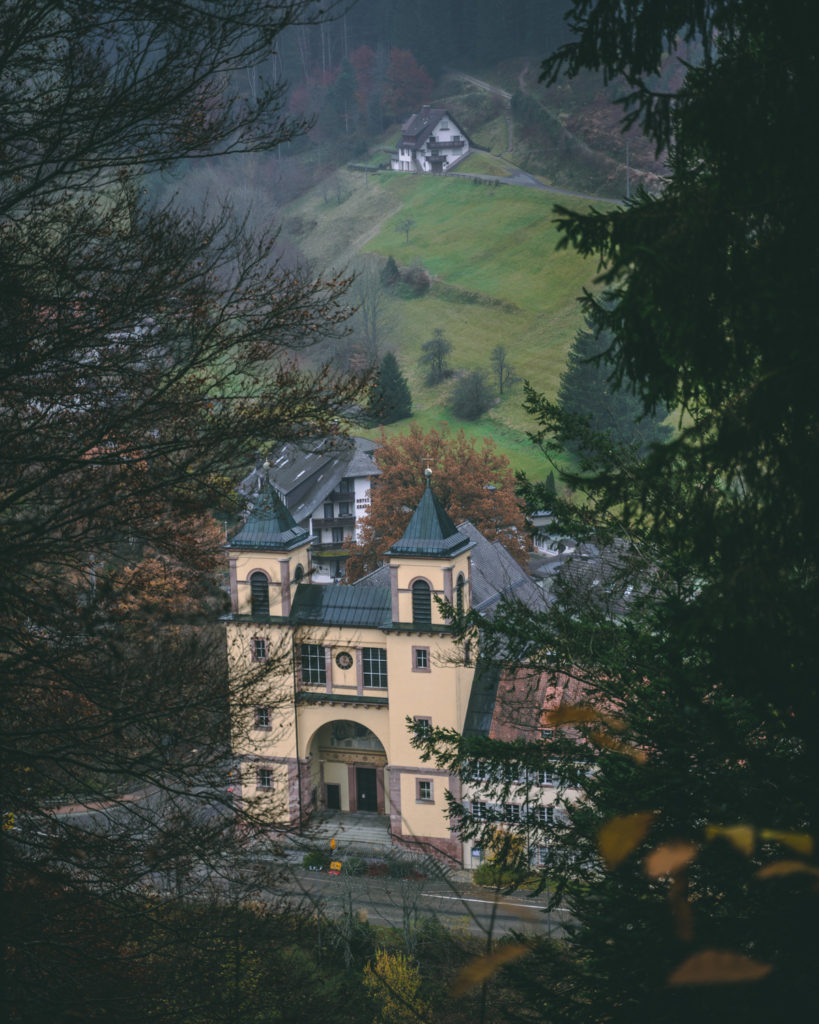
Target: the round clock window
(344, 660)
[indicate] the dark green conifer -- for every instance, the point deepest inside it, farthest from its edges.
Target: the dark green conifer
(390, 398)
(588, 391)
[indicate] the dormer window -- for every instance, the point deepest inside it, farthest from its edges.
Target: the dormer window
(259, 594)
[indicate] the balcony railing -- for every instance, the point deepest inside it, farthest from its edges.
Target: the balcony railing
(327, 524)
(341, 495)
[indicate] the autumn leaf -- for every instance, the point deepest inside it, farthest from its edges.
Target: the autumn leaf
(483, 967)
(718, 967)
(799, 842)
(739, 836)
(779, 868)
(573, 714)
(669, 858)
(603, 739)
(618, 837)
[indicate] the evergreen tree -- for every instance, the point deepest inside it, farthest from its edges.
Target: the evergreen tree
(389, 272)
(609, 407)
(689, 862)
(390, 398)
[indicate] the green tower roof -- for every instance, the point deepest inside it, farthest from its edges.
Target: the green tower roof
(269, 524)
(430, 531)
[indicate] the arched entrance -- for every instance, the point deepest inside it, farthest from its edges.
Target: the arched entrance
(348, 761)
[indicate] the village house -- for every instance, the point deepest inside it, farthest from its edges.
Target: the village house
(431, 142)
(325, 486)
(326, 728)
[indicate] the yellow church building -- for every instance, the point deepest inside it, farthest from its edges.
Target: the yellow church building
(337, 670)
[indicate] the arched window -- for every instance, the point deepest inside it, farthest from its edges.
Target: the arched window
(259, 594)
(298, 575)
(421, 602)
(459, 594)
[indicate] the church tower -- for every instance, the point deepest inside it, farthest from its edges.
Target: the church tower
(267, 557)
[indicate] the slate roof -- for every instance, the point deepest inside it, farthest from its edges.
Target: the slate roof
(269, 524)
(495, 575)
(340, 605)
(306, 473)
(430, 532)
(482, 697)
(419, 127)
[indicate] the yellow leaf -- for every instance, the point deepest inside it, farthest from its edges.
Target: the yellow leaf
(483, 967)
(787, 867)
(717, 967)
(739, 836)
(669, 858)
(603, 739)
(570, 715)
(799, 842)
(618, 837)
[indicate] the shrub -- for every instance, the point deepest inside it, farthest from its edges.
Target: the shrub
(471, 396)
(353, 865)
(317, 860)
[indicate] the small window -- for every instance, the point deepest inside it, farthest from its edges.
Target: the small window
(344, 508)
(420, 659)
(261, 718)
(298, 575)
(259, 649)
(338, 535)
(374, 667)
(479, 809)
(546, 815)
(547, 734)
(328, 510)
(313, 665)
(424, 724)
(546, 778)
(421, 603)
(259, 594)
(511, 812)
(459, 594)
(423, 791)
(264, 778)
(467, 653)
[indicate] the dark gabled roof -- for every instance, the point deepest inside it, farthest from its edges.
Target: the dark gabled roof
(307, 472)
(481, 706)
(430, 533)
(421, 125)
(269, 525)
(339, 605)
(495, 575)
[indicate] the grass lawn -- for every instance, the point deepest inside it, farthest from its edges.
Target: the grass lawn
(483, 163)
(497, 279)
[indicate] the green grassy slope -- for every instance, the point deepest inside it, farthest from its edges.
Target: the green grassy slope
(496, 279)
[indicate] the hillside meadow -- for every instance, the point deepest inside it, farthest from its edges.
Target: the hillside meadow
(497, 278)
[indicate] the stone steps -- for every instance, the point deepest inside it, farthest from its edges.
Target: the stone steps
(353, 833)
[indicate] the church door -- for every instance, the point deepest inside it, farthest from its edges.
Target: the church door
(366, 789)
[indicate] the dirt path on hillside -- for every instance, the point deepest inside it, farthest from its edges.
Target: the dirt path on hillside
(358, 243)
(517, 176)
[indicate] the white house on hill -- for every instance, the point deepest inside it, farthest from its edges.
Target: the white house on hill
(431, 143)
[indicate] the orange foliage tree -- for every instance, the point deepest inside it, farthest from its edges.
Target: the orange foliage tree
(472, 482)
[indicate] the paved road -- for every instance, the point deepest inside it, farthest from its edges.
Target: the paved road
(517, 176)
(456, 903)
(450, 897)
